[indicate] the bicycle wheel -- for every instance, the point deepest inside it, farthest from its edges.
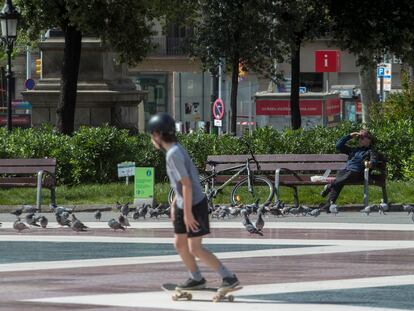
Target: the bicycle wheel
(205, 185)
(262, 190)
(171, 195)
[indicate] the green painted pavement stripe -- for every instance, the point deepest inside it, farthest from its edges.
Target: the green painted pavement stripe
(23, 251)
(396, 297)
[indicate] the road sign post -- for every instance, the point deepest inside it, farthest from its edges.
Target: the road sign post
(218, 113)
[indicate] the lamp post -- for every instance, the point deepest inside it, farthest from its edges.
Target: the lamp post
(8, 19)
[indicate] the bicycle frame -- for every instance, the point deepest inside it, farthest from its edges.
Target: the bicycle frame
(212, 192)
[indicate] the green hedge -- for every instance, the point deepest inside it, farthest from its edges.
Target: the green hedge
(91, 155)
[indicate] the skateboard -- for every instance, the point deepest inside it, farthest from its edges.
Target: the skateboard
(218, 295)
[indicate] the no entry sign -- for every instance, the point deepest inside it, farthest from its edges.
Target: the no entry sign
(218, 109)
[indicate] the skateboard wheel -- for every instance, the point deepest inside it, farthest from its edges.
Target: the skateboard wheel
(230, 298)
(189, 296)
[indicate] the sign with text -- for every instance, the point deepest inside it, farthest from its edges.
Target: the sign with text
(126, 169)
(144, 183)
(384, 72)
(327, 61)
(272, 107)
(333, 106)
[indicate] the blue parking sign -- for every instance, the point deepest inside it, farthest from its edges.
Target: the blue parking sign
(380, 71)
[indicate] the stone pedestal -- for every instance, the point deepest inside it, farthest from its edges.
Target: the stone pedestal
(105, 94)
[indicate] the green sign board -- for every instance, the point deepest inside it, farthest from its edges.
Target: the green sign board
(144, 182)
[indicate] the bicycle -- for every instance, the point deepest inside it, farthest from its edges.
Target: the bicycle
(244, 191)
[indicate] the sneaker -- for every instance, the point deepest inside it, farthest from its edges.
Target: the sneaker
(325, 190)
(229, 282)
(192, 284)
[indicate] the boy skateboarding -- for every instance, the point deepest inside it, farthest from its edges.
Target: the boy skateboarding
(189, 210)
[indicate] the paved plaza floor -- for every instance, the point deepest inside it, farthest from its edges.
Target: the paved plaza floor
(344, 262)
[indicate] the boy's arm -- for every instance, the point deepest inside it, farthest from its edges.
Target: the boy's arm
(190, 222)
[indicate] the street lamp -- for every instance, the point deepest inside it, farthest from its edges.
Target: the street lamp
(8, 19)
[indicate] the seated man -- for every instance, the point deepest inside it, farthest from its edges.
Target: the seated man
(354, 170)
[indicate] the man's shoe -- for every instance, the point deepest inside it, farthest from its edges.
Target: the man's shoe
(326, 190)
(192, 284)
(325, 206)
(229, 282)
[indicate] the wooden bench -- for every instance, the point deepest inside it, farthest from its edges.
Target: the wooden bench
(29, 173)
(293, 170)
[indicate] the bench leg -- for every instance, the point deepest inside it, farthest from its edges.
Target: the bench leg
(53, 196)
(295, 197)
(39, 191)
(366, 181)
(277, 186)
(384, 193)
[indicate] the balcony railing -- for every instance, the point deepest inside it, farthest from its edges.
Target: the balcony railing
(169, 46)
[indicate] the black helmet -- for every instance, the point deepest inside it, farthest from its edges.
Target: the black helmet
(161, 122)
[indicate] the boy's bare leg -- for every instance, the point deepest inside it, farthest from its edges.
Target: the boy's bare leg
(197, 250)
(181, 245)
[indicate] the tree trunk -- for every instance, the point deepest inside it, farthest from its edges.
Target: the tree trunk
(233, 98)
(65, 118)
(368, 85)
(294, 91)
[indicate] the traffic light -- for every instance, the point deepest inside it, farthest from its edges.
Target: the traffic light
(242, 72)
(38, 63)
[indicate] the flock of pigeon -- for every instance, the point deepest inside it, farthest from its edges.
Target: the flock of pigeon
(66, 217)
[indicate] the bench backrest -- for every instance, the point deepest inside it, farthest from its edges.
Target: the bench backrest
(27, 166)
(294, 162)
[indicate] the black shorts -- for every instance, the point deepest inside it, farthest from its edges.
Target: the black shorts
(200, 213)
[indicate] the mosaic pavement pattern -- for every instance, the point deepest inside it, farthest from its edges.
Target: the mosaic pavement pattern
(295, 266)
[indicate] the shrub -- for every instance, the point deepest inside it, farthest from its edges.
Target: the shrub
(91, 155)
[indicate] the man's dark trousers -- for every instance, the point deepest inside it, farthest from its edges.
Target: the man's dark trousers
(343, 177)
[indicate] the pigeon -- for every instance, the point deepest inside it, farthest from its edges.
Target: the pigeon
(234, 211)
(118, 206)
(250, 227)
(123, 221)
(259, 222)
(275, 211)
(43, 222)
(61, 209)
(383, 207)
(295, 211)
(333, 208)
(305, 210)
(113, 224)
(125, 209)
(367, 210)
(62, 221)
(32, 220)
(77, 225)
(17, 212)
(29, 209)
(154, 212)
(135, 215)
(98, 215)
(315, 212)
(19, 226)
(285, 210)
(142, 211)
(408, 208)
(252, 208)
